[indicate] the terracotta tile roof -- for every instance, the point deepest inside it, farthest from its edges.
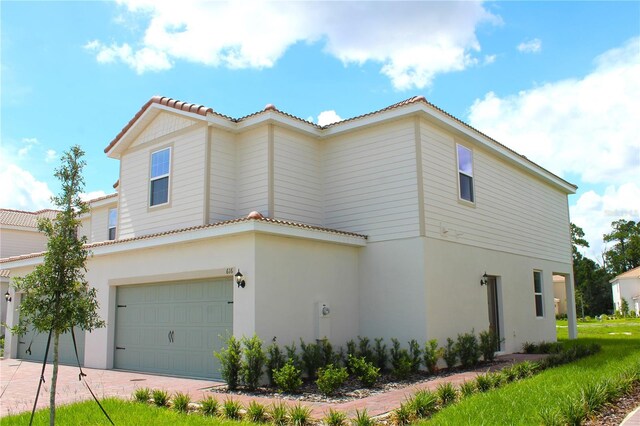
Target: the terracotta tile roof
(104, 197)
(196, 228)
(631, 273)
(160, 100)
(24, 218)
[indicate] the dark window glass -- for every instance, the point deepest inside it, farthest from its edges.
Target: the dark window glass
(466, 187)
(159, 191)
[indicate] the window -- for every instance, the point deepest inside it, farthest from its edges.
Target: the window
(465, 173)
(537, 291)
(160, 166)
(113, 217)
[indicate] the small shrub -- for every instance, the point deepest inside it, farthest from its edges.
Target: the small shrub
(231, 409)
(257, 413)
(275, 361)
(142, 395)
(450, 354)
(331, 378)
(431, 355)
(400, 360)
(160, 397)
(288, 378)
(573, 412)
(335, 418)
(424, 403)
(365, 371)
(363, 419)
(526, 369)
(279, 414)
(467, 388)
(380, 356)
(299, 415)
(403, 415)
(489, 344)
(550, 417)
(253, 362)
(496, 379)
(364, 349)
(415, 354)
(484, 382)
(446, 393)
(529, 348)
(292, 355)
(327, 354)
(594, 396)
(351, 348)
(311, 358)
(209, 406)
(509, 374)
(468, 349)
(230, 361)
(181, 402)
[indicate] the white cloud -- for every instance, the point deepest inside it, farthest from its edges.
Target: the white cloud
(27, 145)
(51, 155)
(87, 196)
(587, 127)
(594, 213)
(328, 117)
(22, 191)
(412, 41)
(530, 46)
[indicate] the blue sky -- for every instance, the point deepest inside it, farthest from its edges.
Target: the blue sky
(557, 81)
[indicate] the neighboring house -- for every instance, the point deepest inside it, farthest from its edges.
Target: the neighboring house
(382, 225)
(18, 235)
(560, 295)
(627, 286)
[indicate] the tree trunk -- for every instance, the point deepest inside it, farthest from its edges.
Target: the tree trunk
(54, 379)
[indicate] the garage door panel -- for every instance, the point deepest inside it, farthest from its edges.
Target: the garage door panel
(178, 337)
(37, 344)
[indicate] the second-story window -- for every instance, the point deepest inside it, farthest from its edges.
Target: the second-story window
(113, 217)
(465, 173)
(160, 168)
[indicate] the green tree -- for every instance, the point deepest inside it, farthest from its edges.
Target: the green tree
(56, 296)
(625, 252)
(593, 291)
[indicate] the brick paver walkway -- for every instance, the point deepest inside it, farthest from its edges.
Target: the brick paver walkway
(19, 381)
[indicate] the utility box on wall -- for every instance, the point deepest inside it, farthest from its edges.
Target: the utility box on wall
(323, 320)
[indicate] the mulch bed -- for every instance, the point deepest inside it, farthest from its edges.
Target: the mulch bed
(613, 414)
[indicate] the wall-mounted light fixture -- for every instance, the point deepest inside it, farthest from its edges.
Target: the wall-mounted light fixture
(7, 296)
(484, 280)
(239, 279)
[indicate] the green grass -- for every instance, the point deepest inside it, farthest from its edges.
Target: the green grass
(521, 402)
(121, 412)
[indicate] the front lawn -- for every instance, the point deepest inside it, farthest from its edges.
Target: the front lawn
(522, 402)
(516, 403)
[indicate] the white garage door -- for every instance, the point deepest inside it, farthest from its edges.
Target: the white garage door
(173, 328)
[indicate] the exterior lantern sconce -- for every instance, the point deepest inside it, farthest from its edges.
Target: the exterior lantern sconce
(7, 296)
(483, 280)
(239, 279)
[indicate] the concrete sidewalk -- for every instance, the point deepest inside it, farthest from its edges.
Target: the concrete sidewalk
(19, 382)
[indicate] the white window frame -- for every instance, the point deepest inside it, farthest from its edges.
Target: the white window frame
(461, 172)
(539, 294)
(159, 177)
(110, 225)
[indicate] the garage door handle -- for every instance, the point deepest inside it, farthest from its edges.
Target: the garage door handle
(120, 347)
(170, 335)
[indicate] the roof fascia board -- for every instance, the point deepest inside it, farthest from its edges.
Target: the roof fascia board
(147, 116)
(213, 232)
(20, 228)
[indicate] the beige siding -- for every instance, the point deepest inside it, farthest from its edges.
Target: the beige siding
(85, 227)
(100, 223)
(163, 124)
(186, 186)
(514, 212)
(252, 174)
(14, 242)
(297, 177)
(222, 188)
(370, 182)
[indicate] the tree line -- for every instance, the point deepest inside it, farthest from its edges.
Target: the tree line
(593, 290)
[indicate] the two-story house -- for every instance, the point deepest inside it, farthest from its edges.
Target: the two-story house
(404, 222)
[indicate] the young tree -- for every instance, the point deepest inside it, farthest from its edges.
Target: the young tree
(56, 296)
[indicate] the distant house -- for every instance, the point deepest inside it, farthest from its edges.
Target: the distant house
(403, 222)
(627, 286)
(18, 235)
(560, 295)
